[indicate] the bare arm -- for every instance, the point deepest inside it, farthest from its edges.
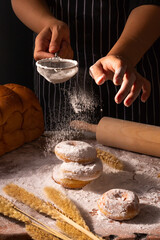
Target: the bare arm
(140, 32)
(34, 14)
(53, 34)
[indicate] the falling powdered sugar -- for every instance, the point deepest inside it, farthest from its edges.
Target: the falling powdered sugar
(82, 101)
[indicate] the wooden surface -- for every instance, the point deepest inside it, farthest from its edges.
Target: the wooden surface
(31, 168)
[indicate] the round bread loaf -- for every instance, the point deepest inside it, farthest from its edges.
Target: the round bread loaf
(21, 117)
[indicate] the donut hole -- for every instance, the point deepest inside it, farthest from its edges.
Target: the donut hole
(120, 195)
(71, 144)
(117, 195)
(119, 204)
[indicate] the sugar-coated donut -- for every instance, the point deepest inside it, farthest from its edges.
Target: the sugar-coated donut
(59, 178)
(119, 204)
(75, 151)
(81, 172)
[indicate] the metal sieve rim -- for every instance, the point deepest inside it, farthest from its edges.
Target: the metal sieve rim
(56, 59)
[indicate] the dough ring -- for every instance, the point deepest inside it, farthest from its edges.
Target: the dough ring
(75, 151)
(119, 204)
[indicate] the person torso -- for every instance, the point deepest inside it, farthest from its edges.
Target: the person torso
(95, 26)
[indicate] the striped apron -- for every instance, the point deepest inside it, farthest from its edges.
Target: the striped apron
(95, 26)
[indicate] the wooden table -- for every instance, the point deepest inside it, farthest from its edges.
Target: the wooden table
(31, 168)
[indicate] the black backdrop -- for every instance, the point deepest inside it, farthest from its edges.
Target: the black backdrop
(15, 48)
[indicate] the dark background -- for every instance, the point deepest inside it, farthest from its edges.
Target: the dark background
(16, 51)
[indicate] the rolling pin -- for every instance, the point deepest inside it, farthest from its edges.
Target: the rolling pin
(122, 134)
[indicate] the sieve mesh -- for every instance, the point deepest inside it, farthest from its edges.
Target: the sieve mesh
(57, 70)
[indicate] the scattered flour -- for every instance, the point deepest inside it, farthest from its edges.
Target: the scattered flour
(31, 169)
(80, 106)
(81, 101)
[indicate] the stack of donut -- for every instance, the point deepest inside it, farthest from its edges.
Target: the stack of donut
(80, 164)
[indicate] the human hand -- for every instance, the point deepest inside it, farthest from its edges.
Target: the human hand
(121, 72)
(53, 38)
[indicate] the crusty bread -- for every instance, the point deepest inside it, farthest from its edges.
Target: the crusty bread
(21, 117)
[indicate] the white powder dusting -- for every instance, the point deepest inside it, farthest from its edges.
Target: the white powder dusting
(57, 70)
(116, 203)
(54, 137)
(78, 105)
(31, 169)
(81, 101)
(82, 172)
(76, 151)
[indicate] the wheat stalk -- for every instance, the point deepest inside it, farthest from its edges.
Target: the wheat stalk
(80, 228)
(41, 206)
(31, 200)
(72, 232)
(44, 226)
(70, 210)
(53, 232)
(38, 234)
(10, 210)
(109, 159)
(65, 205)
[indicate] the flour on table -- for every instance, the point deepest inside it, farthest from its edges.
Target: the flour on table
(31, 169)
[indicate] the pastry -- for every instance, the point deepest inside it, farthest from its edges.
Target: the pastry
(21, 117)
(75, 151)
(119, 204)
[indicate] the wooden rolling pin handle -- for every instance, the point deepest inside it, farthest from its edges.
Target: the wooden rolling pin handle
(81, 125)
(131, 136)
(122, 134)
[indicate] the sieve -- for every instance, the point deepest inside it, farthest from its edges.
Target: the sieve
(56, 69)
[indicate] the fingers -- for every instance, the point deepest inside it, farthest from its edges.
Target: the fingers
(51, 40)
(42, 54)
(65, 51)
(55, 42)
(121, 73)
(131, 88)
(146, 90)
(60, 35)
(134, 93)
(127, 83)
(108, 68)
(99, 73)
(141, 84)
(41, 45)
